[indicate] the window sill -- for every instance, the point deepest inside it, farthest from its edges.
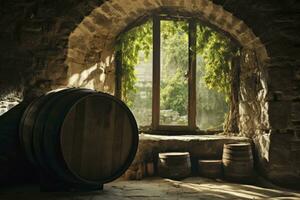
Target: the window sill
(151, 137)
(180, 132)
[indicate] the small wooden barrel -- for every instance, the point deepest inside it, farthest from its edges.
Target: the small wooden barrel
(174, 165)
(210, 168)
(238, 162)
(80, 136)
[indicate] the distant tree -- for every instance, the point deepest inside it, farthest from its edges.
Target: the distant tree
(174, 93)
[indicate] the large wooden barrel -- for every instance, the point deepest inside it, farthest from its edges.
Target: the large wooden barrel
(79, 135)
(238, 162)
(174, 165)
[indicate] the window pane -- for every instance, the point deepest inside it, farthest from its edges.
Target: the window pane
(211, 105)
(174, 66)
(141, 98)
(137, 73)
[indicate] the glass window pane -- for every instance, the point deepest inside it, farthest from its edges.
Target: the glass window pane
(174, 66)
(142, 97)
(137, 79)
(210, 104)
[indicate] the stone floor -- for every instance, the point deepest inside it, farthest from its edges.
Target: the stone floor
(194, 188)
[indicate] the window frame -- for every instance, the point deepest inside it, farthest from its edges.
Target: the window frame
(191, 75)
(155, 127)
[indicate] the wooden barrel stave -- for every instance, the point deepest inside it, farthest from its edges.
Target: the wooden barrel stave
(210, 168)
(39, 125)
(238, 146)
(116, 138)
(28, 122)
(47, 140)
(27, 125)
(246, 157)
(242, 169)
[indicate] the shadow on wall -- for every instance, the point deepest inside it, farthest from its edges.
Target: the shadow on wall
(92, 77)
(98, 76)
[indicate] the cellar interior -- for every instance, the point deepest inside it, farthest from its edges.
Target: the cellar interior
(193, 77)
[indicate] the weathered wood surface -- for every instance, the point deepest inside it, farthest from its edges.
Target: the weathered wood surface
(238, 162)
(175, 165)
(210, 168)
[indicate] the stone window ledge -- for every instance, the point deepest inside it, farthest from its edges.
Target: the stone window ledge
(199, 146)
(189, 138)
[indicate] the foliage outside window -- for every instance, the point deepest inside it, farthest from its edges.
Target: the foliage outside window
(214, 56)
(174, 66)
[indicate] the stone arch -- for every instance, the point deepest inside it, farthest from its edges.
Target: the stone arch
(90, 56)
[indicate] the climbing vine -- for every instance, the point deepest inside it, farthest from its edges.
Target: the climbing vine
(214, 51)
(217, 52)
(131, 43)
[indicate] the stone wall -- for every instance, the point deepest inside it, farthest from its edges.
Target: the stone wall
(268, 108)
(49, 44)
(90, 58)
(278, 148)
(253, 109)
(34, 43)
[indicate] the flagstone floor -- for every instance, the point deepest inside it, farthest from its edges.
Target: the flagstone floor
(194, 188)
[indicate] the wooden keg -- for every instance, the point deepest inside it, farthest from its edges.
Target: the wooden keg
(79, 135)
(238, 162)
(174, 165)
(210, 168)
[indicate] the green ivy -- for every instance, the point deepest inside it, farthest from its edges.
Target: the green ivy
(216, 49)
(174, 93)
(130, 43)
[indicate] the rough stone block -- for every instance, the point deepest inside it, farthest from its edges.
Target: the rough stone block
(283, 165)
(280, 78)
(248, 87)
(297, 75)
(280, 148)
(279, 114)
(296, 111)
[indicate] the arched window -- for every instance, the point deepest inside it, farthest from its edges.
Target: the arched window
(166, 74)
